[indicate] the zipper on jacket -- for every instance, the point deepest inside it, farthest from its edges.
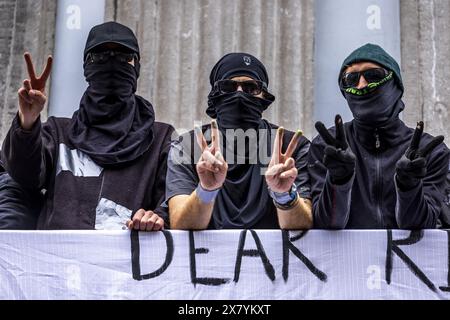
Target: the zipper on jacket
(378, 181)
(377, 140)
(378, 188)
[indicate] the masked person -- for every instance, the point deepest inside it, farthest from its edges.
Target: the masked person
(374, 172)
(107, 163)
(220, 192)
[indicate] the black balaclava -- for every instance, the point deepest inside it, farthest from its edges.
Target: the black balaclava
(378, 106)
(376, 109)
(243, 200)
(238, 110)
(113, 125)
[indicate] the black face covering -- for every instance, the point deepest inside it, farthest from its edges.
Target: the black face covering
(376, 116)
(112, 83)
(113, 125)
(378, 107)
(237, 65)
(239, 110)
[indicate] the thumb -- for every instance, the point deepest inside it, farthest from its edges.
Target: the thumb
(129, 224)
(289, 164)
(24, 96)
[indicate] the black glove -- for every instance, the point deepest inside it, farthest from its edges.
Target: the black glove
(412, 167)
(339, 158)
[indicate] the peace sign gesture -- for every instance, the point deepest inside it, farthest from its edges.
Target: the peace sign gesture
(38, 83)
(282, 172)
(412, 167)
(32, 96)
(212, 167)
(338, 158)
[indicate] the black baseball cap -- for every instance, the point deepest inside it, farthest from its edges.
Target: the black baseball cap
(111, 32)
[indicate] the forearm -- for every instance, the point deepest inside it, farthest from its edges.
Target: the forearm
(298, 217)
(22, 154)
(332, 209)
(414, 210)
(189, 212)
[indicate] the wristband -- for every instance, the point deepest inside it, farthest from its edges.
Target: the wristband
(206, 196)
(288, 206)
(285, 197)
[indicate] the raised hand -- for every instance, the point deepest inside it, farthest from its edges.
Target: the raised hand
(212, 167)
(339, 158)
(412, 167)
(281, 173)
(32, 96)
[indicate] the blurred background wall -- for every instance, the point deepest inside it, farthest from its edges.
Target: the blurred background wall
(182, 39)
(24, 26)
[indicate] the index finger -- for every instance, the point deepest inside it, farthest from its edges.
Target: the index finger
(136, 219)
(326, 136)
(293, 144)
(276, 153)
(30, 66)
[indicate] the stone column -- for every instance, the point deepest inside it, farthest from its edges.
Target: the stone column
(425, 44)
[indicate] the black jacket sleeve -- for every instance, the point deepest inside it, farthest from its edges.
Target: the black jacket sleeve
(445, 214)
(19, 207)
(420, 208)
(331, 203)
(28, 156)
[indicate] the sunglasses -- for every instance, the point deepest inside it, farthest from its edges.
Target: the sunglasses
(253, 87)
(351, 79)
(104, 56)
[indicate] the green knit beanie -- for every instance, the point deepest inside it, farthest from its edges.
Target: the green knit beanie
(373, 53)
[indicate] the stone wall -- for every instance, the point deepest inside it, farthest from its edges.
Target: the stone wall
(425, 26)
(25, 25)
(182, 40)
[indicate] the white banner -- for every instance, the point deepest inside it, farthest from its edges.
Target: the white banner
(226, 265)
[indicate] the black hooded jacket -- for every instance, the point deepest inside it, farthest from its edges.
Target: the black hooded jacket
(445, 215)
(371, 199)
(378, 139)
(76, 187)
